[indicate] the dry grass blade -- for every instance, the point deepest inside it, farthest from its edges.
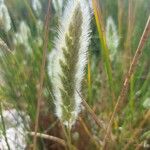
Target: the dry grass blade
(133, 65)
(120, 16)
(49, 137)
(67, 134)
(4, 46)
(42, 74)
(89, 134)
(88, 108)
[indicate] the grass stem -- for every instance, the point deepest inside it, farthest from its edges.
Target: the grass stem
(105, 51)
(49, 137)
(89, 109)
(42, 74)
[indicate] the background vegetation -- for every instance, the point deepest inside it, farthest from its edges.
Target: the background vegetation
(20, 69)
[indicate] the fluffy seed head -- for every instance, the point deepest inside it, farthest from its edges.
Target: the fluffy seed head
(22, 36)
(146, 103)
(71, 47)
(58, 4)
(36, 5)
(112, 37)
(5, 21)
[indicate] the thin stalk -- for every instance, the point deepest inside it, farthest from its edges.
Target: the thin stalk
(105, 51)
(4, 128)
(132, 69)
(127, 52)
(89, 82)
(4, 46)
(68, 130)
(51, 126)
(120, 16)
(127, 45)
(49, 137)
(89, 134)
(94, 116)
(42, 73)
(67, 133)
(132, 95)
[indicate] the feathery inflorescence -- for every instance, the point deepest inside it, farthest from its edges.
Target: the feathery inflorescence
(5, 20)
(22, 36)
(68, 60)
(146, 103)
(39, 28)
(37, 7)
(58, 4)
(112, 37)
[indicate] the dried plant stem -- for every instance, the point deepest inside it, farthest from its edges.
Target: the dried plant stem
(127, 49)
(3, 125)
(89, 109)
(69, 140)
(67, 133)
(42, 73)
(129, 34)
(4, 46)
(120, 16)
(132, 68)
(146, 117)
(89, 134)
(49, 137)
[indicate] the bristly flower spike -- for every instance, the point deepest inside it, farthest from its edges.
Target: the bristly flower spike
(58, 5)
(22, 36)
(37, 7)
(112, 37)
(5, 20)
(70, 58)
